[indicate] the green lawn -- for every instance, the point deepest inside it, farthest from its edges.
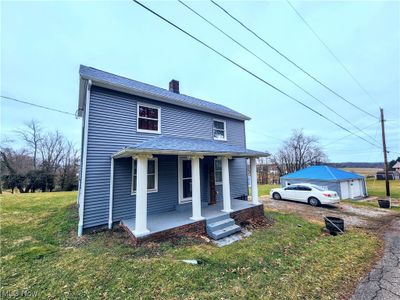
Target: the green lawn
(264, 189)
(290, 259)
(377, 188)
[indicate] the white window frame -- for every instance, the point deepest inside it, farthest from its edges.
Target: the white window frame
(159, 118)
(180, 180)
(215, 172)
(155, 190)
(225, 131)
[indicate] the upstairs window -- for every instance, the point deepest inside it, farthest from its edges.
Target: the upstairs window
(152, 175)
(148, 118)
(219, 130)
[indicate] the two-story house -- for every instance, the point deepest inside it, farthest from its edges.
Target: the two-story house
(159, 162)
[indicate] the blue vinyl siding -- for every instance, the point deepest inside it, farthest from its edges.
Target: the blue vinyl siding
(238, 177)
(164, 199)
(112, 126)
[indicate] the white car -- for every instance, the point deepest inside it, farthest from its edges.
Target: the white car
(305, 192)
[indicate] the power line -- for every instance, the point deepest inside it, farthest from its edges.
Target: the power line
(291, 61)
(331, 52)
(246, 70)
(266, 135)
(346, 136)
(37, 105)
(272, 67)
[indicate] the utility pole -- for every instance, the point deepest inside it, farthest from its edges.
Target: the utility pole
(385, 155)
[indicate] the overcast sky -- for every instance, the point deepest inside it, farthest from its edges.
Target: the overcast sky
(43, 44)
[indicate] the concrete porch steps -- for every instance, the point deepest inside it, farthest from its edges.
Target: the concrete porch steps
(221, 226)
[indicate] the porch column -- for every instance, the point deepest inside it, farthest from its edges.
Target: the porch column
(254, 187)
(226, 187)
(196, 198)
(141, 195)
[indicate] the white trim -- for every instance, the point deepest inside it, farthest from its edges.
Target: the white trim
(196, 189)
(226, 187)
(158, 119)
(180, 181)
(141, 93)
(84, 156)
(254, 187)
(141, 197)
(155, 190)
(225, 131)
(110, 209)
(215, 172)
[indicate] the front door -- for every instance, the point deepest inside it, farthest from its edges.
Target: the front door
(185, 179)
(211, 179)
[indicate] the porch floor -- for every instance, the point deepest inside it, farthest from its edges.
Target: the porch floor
(163, 221)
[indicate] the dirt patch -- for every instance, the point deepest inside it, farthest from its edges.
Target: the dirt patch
(375, 219)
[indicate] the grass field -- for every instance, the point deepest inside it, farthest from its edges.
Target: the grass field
(290, 259)
(377, 188)
(363, 171)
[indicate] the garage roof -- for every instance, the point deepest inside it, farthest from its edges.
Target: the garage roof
(322, 173)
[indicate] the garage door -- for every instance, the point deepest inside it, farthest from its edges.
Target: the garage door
(355, 188)
(345, 189)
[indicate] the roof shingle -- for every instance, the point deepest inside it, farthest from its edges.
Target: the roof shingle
(177, 99)
(189, 145)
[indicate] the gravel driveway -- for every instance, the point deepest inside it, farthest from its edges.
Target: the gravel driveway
(354, 216)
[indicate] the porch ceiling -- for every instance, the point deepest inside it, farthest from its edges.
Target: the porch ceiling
(187, 146)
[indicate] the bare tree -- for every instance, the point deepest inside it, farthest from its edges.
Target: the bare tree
(69, 168)
(15, 166)
(51, 148)
(32, 136)
(49, 162)
(298, 152)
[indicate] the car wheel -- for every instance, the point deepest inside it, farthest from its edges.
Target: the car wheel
(276, 196)
(314, 201)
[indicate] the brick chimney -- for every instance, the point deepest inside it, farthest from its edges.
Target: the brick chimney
(174, 86)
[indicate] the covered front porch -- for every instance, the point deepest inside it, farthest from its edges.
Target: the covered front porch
(187, 179)
(168, 220)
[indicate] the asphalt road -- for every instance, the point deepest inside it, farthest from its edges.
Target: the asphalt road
(383, 282)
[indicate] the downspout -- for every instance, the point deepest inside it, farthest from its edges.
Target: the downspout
(110, 211)
(84, 154)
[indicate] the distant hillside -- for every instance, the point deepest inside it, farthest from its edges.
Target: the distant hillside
(378, 165)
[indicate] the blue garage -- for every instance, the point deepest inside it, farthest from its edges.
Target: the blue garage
(347, 184)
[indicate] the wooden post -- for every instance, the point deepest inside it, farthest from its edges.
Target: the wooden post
(385, 155)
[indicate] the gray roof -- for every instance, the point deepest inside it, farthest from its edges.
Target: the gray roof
(120, 83)
(182, 146)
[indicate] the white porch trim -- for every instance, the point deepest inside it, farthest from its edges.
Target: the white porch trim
(254, 187)
(196, 197)
(226, 187)
(82, 184)
(141, 196)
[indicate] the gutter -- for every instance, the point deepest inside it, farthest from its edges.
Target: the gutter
(84, 156)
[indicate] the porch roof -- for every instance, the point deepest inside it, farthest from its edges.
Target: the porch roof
(187, 146)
